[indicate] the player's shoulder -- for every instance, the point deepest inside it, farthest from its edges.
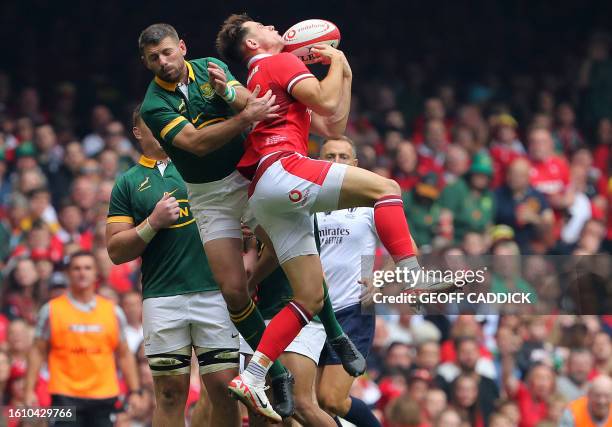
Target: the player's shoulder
(154, 97)
(129, 175)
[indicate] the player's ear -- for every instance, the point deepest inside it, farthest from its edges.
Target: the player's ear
(137, 133)
(355, 161)
(182, 47)
(251, 44)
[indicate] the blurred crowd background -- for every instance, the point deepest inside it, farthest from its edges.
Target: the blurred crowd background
(495, 118)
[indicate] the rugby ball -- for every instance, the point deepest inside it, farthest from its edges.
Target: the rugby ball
(303, 35)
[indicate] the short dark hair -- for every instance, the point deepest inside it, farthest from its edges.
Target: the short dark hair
(80, 254)
(230, 37)
(136, 117)
(345, 139)
(154, 34)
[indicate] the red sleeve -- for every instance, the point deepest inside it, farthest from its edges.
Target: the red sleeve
(565, 170)
(288, 70)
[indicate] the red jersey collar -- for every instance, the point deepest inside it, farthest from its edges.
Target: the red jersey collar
(257, 58)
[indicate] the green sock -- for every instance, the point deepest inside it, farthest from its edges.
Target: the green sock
(250, 323)
(328, 317)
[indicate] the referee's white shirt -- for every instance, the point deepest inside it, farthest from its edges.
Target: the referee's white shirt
(348, 245)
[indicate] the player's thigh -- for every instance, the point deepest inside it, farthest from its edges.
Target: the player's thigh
(362, 187)
(333, 385)
(225, 261)
(218, 206)
(167, 334)
(214, 336)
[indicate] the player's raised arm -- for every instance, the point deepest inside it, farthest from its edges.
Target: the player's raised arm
(334, 126)
(231, 91)
(203, 141)
(323, 97)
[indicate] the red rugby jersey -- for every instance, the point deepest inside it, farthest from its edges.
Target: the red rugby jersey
(289, 132)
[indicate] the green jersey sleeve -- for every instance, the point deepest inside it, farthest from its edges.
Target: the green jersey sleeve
(120, 207)
(164, 122)
(231, 80)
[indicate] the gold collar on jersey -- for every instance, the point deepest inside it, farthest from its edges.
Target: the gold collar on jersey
(172, 86)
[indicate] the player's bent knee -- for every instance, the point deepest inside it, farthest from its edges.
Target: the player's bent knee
(216, 360)
(331, 403)
(235, 295)
(391, 187)
(313, 304)
(177, 362)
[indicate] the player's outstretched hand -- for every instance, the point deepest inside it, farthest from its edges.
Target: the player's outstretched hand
(165, 214)
(258, 109)
(217, 78)
(367, 292)
(325, 53)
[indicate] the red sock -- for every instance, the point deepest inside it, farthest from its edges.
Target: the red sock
(392, 227)
(283, 329)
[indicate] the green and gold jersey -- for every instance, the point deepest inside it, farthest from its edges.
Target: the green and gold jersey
(166, 110)
(273, 294)
(174, 262)
(471, 211)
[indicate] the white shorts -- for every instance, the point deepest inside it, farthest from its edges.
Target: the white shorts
(309, 342)
(218, 206)
(286, 193)
(198, 319)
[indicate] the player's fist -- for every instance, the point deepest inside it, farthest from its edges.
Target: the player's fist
(165, 214)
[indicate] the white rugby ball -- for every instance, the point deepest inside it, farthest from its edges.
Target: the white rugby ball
(303, 35)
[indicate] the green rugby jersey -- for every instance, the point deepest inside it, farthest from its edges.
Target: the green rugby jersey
(166, 111)
(174, 262)
(273, 294)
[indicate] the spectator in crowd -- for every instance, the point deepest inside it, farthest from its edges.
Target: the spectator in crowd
(520, 206)
(21, 296)
(573, 384)
(449, 418)
(594, 409)
(101, 117)
(567, 137)
(506, 275)
(601, 348)
(457, 163)
(469, 199)
(481, 369)
(432, 152)
(506, 147)
(464, 399)
(549, 174)
(422, 209)
(532, 395)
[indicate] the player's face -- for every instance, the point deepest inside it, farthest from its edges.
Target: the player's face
(166, 59)
(262, 36)
(82, 272)
(150, 146)
(338, 151)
